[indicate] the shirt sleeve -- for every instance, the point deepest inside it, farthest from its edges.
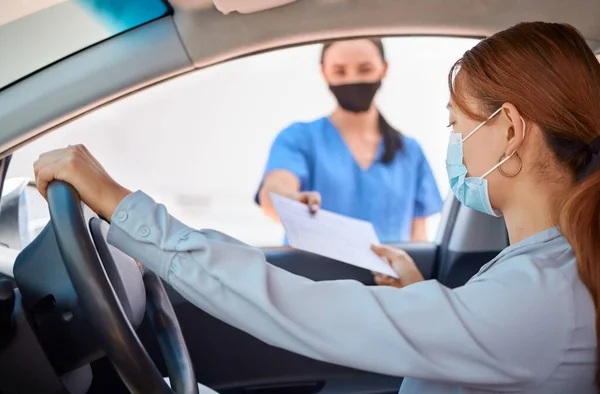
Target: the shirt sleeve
(503, 333)
(428, 199)
(290, 151)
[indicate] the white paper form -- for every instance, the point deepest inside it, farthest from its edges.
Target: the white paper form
(330, 235)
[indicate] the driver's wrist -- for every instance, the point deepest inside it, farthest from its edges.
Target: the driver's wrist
(113, 200)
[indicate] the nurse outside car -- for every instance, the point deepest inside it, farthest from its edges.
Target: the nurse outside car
(354, 162)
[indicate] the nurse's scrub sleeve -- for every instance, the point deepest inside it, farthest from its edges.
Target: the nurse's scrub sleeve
(474, 335)
(290, 151)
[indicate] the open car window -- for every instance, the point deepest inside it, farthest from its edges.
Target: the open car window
(199, 143)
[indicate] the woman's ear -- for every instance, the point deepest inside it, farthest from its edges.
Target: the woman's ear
(323, 74)
(385, 70)
(514, 128)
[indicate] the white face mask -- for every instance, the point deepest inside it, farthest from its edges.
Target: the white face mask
(472, 192)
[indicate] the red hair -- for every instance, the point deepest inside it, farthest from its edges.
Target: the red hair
(550, 74)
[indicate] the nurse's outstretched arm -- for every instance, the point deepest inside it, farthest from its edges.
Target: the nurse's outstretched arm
(492, 333)
(287, 172)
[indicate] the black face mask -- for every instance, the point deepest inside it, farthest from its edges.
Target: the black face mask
(355, 97)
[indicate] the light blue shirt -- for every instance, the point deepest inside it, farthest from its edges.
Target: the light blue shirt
(389, 195)
(524, 324)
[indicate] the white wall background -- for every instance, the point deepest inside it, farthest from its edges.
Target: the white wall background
(198, 143)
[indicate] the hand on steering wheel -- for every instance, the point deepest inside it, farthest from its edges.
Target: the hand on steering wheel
(76, 166)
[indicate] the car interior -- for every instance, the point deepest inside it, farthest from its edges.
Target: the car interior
(77, 315)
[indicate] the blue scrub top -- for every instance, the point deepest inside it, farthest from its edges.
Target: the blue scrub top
(389, 195)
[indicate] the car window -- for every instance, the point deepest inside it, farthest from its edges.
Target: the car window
(199, 143)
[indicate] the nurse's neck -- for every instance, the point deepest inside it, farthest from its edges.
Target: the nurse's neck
(364, 124)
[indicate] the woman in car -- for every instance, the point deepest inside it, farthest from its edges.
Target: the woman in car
(353, 162)
(525, 142)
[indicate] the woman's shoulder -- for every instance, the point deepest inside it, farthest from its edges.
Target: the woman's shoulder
(545, 253)
(411, 150)
(305, 129)
(411, 144)
(545, 276)
(546, 266)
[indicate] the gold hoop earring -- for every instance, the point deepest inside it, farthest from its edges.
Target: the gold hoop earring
(518, 170)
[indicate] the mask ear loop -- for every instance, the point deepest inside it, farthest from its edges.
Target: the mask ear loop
(496, 112)
(497, 166)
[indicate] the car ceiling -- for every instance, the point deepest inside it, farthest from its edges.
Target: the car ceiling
(198, 35)
(314, 20)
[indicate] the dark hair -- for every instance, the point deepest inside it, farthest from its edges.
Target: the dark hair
(551, 75)
(392, 138)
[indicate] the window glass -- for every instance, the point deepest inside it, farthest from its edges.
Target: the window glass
(199, 143)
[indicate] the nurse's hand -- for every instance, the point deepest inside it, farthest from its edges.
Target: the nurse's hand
(402, 263)
(311, 199)
(76, 166)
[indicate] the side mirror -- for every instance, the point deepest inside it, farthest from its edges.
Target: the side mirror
(23, 213)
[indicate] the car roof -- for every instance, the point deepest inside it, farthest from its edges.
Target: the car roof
(77, 75)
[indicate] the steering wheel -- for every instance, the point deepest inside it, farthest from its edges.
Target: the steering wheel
(100, 304)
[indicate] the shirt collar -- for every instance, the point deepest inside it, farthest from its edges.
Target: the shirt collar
(517, 249)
